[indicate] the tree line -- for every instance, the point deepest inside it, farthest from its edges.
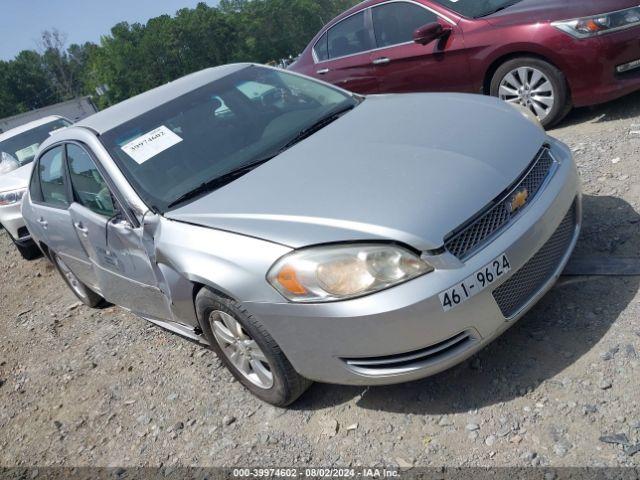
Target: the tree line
(136, 57)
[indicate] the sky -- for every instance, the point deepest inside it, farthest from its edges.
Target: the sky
(22, 21)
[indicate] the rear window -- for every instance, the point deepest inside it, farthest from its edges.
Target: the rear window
(322, 48)
(23, 147)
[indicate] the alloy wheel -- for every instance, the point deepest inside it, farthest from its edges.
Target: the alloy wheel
(72, 280)
(530, 88)
(241, 350)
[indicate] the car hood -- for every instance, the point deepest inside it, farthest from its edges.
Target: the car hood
(532, 11)
(409, 168)
(16, 179)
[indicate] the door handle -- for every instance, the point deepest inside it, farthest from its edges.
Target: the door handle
(43, 222)
(382, 61)
(81, 228)
(323, 71)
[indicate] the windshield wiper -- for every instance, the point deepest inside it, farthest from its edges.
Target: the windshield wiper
(320, 124)
(219, 182)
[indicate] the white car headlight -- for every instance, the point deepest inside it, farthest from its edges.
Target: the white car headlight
(339, 272)
(600, 24)
(11, 197)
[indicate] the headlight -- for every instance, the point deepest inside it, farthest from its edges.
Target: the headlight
(339, 272)
(11, 197)
(600, 24)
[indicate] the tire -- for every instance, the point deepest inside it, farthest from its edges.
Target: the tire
(28, 252)
(549, 81)
(79, 289)
(252, 341)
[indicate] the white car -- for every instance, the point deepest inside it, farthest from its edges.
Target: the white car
(18, 148)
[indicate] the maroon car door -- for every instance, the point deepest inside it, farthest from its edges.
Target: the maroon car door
(343, 54)
(405, 66)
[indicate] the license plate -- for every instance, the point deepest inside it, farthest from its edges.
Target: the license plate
(476, 283)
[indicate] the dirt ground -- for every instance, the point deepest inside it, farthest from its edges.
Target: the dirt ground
(81, 387)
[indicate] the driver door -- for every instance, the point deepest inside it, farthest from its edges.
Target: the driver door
(405, 66)
(122, 268)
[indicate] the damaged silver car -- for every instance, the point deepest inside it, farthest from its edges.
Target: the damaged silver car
(306, 233)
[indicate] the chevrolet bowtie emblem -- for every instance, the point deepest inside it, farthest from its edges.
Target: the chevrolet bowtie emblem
(519, 200)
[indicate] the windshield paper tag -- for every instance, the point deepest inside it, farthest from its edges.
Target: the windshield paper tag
(151, 144)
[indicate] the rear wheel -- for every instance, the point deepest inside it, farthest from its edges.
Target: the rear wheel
(534, 84)
(80, 290)
(247, 350)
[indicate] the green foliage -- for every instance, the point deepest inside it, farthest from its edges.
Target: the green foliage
(136, 57)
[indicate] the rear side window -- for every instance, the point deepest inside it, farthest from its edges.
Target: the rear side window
(349, 37)
(51, 175)
(394, 23)
(322, 48)
(89, 187)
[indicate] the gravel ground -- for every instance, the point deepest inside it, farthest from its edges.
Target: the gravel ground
(81, 387)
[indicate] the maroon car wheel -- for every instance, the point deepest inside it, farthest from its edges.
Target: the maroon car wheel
(535, 85)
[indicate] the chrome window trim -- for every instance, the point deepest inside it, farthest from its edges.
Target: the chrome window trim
(313, 49)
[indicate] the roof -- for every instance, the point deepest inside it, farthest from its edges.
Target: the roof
(122, 112)
(27, 126)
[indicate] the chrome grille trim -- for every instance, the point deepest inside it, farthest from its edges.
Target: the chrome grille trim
(478, 231)
(513, 295)
(410, 361)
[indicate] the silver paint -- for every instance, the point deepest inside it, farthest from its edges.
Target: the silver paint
(407, 169)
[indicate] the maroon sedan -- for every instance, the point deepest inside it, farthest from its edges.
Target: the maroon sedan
(547, 55)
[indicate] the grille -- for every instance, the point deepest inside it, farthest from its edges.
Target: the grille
(478, 231)
(516, 292)
(406, 362)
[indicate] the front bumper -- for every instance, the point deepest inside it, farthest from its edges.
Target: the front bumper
(592, 71)
(11, 219)
(324, 342)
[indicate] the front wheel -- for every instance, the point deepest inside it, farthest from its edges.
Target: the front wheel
(247, 350)
(536, 85)
(80, 290)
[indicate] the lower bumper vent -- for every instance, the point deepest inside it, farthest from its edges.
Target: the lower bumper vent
(410, 361)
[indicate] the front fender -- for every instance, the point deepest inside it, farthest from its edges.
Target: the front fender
(235, 265)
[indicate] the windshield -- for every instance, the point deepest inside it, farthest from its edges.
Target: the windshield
(477, 8)
(243, 118)
(23, 147)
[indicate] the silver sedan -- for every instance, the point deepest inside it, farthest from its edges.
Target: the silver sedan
(303, 232)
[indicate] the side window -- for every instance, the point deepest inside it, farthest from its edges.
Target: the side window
(51, 175)
(348, 37)
(322, 48)
(394, 23)
(89, 188)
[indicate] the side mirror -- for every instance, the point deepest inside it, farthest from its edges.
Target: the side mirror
(430, 32)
